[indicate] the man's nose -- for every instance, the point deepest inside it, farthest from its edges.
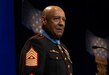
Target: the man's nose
(61, 22)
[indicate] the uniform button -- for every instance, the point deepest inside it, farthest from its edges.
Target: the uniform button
(70, 73)
(53, 50)
(57, 58)
(65, 58)
(61, 51)
(68, 66)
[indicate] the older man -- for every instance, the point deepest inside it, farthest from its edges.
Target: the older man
(44, 54)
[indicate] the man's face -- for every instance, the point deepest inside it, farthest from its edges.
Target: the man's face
(55, 23)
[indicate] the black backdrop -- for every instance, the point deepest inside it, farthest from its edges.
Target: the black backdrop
(81, 15)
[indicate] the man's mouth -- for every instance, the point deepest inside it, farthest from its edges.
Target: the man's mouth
(60, 30)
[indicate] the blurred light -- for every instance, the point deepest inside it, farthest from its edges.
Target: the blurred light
(31, 17)
(101, 51)
(92, 40)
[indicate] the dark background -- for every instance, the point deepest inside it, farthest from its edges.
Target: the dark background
(81, 15)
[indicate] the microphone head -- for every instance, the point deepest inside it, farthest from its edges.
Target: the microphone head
(95, 47)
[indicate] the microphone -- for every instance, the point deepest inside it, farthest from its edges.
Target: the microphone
(95, 47)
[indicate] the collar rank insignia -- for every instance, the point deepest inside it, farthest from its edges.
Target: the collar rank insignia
(31, 58)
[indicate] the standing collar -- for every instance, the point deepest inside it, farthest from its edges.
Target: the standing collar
(53, 40)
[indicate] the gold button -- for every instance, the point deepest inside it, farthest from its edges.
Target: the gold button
(57, 58)
(65, 58)
(68, 66)
(53, 50)
(61, 51)
(70, 73)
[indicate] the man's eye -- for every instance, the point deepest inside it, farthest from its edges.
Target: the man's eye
(64, 19)
(56, 18)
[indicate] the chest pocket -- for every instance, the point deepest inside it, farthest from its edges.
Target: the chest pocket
(54, 55)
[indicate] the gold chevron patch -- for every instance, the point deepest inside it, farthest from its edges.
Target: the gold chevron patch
(31, 58)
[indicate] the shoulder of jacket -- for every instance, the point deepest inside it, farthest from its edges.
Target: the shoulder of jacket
(38, 36)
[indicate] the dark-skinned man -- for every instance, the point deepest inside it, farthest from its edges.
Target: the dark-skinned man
(44, 54)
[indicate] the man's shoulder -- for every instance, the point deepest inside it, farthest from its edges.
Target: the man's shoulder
(37, 36)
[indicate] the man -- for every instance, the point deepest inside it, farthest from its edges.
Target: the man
(43, 54)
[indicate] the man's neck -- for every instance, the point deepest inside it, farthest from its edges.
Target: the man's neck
(50, 37)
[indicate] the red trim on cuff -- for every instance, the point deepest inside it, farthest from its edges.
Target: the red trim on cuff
(31, 74)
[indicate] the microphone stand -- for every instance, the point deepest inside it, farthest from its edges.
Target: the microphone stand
(104, 64)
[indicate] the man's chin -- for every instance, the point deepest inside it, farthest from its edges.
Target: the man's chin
(58, 36)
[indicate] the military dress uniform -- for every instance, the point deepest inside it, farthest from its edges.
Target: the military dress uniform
(41, 56)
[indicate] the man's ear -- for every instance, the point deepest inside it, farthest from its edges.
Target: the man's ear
(43, 19)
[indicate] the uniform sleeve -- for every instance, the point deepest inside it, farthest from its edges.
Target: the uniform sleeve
(32, 58)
